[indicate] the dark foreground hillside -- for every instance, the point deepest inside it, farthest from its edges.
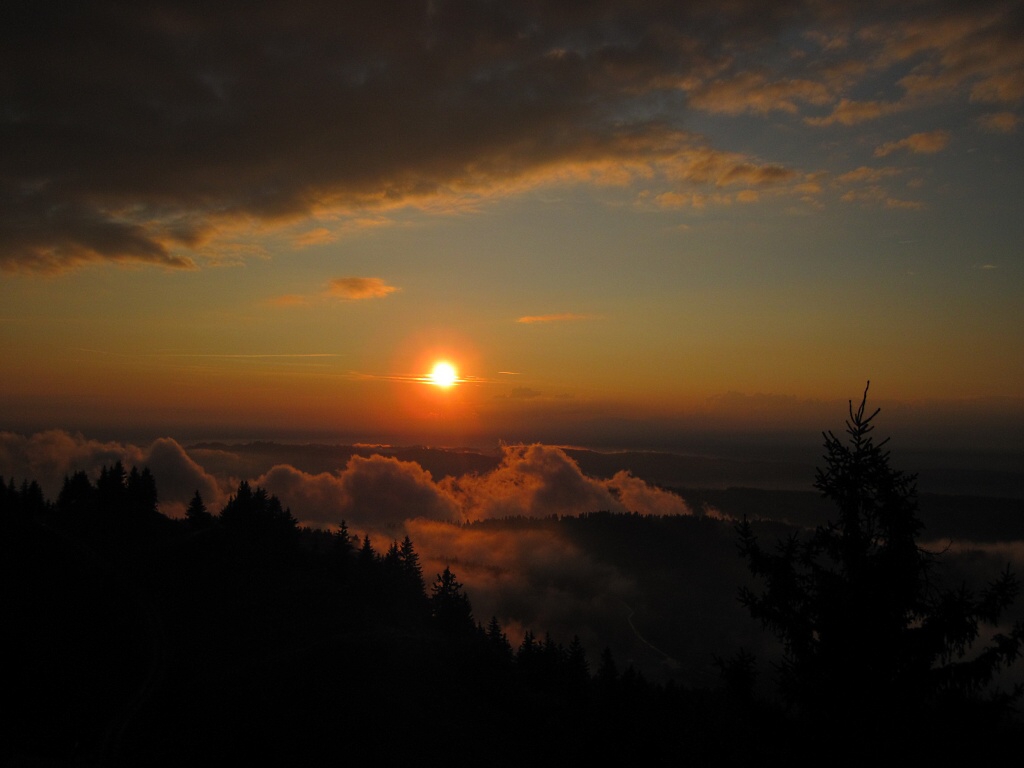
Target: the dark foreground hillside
(240, 637)
(150, 641)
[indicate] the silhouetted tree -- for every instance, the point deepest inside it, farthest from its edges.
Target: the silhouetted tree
(576, 658)
(341, 553)
(449, 605)
(258, 515)
(869, 640)
(77, 495)
(607, 670)
(410, 563)
(527, 651)
(141, 494)
(24, 502)
(497, 640)
(197, 514)
(111, 491)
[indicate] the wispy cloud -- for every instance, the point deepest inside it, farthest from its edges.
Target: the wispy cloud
(925, 143)
(343, 288)
(852, 112)
(317, 236)
(557, 317)
(999, 122)
(878, 196)
(360, 288)
(865, 174)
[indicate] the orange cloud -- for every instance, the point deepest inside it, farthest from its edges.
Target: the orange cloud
(999, 122)
(754, 92)
(316, 236)
(865, 174)
(850, 112)
(374, 493)
(557, 317)
(380, 493)
(875, 195)
(925, 143)
(1002, 88)
(359, 288)
(345, 288)
(705, 165)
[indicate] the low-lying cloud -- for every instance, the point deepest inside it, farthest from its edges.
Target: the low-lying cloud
(48, 457)
(372, 493)
(528, 577)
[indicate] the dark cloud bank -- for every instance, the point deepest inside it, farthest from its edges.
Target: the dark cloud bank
(150, 131)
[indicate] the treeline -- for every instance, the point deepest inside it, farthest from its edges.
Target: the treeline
(241, 635)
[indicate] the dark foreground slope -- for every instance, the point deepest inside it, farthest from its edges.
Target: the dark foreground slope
(140, 640)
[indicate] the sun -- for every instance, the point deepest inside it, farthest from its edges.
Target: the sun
(443, 375)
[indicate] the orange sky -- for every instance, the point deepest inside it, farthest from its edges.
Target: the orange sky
(612, 218)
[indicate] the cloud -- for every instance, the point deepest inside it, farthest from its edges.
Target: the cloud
(877, 196)
(189, 126)
(317, 236)
(705, 165)
(375, 493)
(999, 122)
(48, 457)
(864, 174)
(344, 288)
(382, 493)
(753, 92)
(926, 143)
(540, 481)
(851, 112)
(529, 578)
(360, 288)
(178, 477)
(557, 317)
(193, 128)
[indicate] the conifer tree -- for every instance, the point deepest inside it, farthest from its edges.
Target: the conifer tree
(577, 659)
(449, 605)
(141, 492)
(869, 638)
(410, 562)
(77, 495)
(498, 640)
(196, 513)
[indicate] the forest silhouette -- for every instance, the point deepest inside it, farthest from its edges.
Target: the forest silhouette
(240, 635)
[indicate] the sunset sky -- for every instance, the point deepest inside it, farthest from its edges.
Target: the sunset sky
(216, 220)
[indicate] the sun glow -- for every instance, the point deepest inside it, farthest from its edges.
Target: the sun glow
(443, 375)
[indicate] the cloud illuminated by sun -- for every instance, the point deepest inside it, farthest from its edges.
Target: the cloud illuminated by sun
(443, 375)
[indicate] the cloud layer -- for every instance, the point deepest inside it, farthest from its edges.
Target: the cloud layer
(372, 493)
(531, 578)
(191, 124)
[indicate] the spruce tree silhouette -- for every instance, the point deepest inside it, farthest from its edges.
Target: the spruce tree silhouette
(872, 646)
(449, 605)
(197, 514)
